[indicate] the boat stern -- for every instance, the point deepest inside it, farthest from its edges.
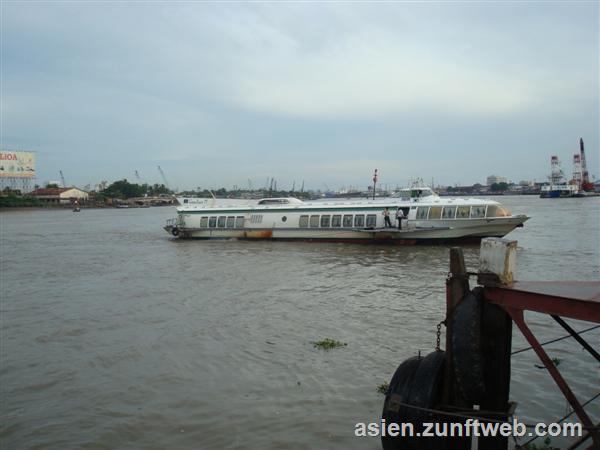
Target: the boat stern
(171, 227)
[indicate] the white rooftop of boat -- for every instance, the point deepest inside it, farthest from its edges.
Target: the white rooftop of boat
(291, 202)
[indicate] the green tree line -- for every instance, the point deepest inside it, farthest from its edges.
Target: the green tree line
(123, 189)
(13, 200)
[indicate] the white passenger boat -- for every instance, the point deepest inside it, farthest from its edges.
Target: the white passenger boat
(428, 218)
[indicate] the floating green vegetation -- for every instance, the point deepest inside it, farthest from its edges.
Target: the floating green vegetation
(383, 388)
(328, 344)
(545, 446)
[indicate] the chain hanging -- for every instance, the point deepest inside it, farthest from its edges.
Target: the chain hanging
(438, 334)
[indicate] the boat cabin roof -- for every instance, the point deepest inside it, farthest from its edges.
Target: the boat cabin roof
(280, 201)
(290, 203)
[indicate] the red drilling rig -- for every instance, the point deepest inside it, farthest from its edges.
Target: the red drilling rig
(586, 185)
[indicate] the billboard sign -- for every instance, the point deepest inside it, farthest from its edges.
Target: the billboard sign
(17, 164)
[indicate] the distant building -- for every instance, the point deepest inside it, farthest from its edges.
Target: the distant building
(492, 179)
(63, 196)
(526, 183)
(101, 186)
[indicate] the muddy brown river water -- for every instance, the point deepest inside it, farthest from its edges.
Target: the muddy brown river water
(115, 335)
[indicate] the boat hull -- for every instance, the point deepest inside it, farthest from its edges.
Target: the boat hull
(413, 234)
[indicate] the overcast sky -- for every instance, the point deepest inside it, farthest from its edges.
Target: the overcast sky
(220, 93)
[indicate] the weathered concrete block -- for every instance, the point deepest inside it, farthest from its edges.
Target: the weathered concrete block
(498, 256)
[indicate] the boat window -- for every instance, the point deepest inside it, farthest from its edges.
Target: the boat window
(212, 222)
(230, 222)
(449, 212)
(435, 212)
(221, 221)
(203, 222)
(348, 221)
(336, 221)
(462, 212)
(477, 212)
(496, 211)
(239, 222)
(274, 201)
(325, 221)
(185, 200)
(422, 212)
(371, 220)
(314, 221)
(256, 218)
(303, 222)
(359, 221)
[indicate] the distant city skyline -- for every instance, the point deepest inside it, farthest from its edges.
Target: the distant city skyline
(221, 93)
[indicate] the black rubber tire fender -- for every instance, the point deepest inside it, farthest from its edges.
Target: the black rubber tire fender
(467, 347)
(426, 392)
(398, 392)
(175, 231)
(426, 387)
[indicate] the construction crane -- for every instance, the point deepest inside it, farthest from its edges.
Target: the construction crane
(556, 173)
(162, 174)
(586, 185)
(137, 176)
(576, 180)
(271, 187)
(62, 178)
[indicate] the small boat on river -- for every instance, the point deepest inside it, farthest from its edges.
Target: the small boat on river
(428, 218)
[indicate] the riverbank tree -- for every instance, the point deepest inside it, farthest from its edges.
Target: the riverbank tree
(13, 200)
(123, 189)
(499, 187)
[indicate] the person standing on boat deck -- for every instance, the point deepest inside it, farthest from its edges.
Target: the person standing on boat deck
(386, 217)
(399, 217)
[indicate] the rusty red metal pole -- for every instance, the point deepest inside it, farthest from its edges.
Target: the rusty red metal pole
(518, 318)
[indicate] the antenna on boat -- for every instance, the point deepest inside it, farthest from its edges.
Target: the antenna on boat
(375, 178)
